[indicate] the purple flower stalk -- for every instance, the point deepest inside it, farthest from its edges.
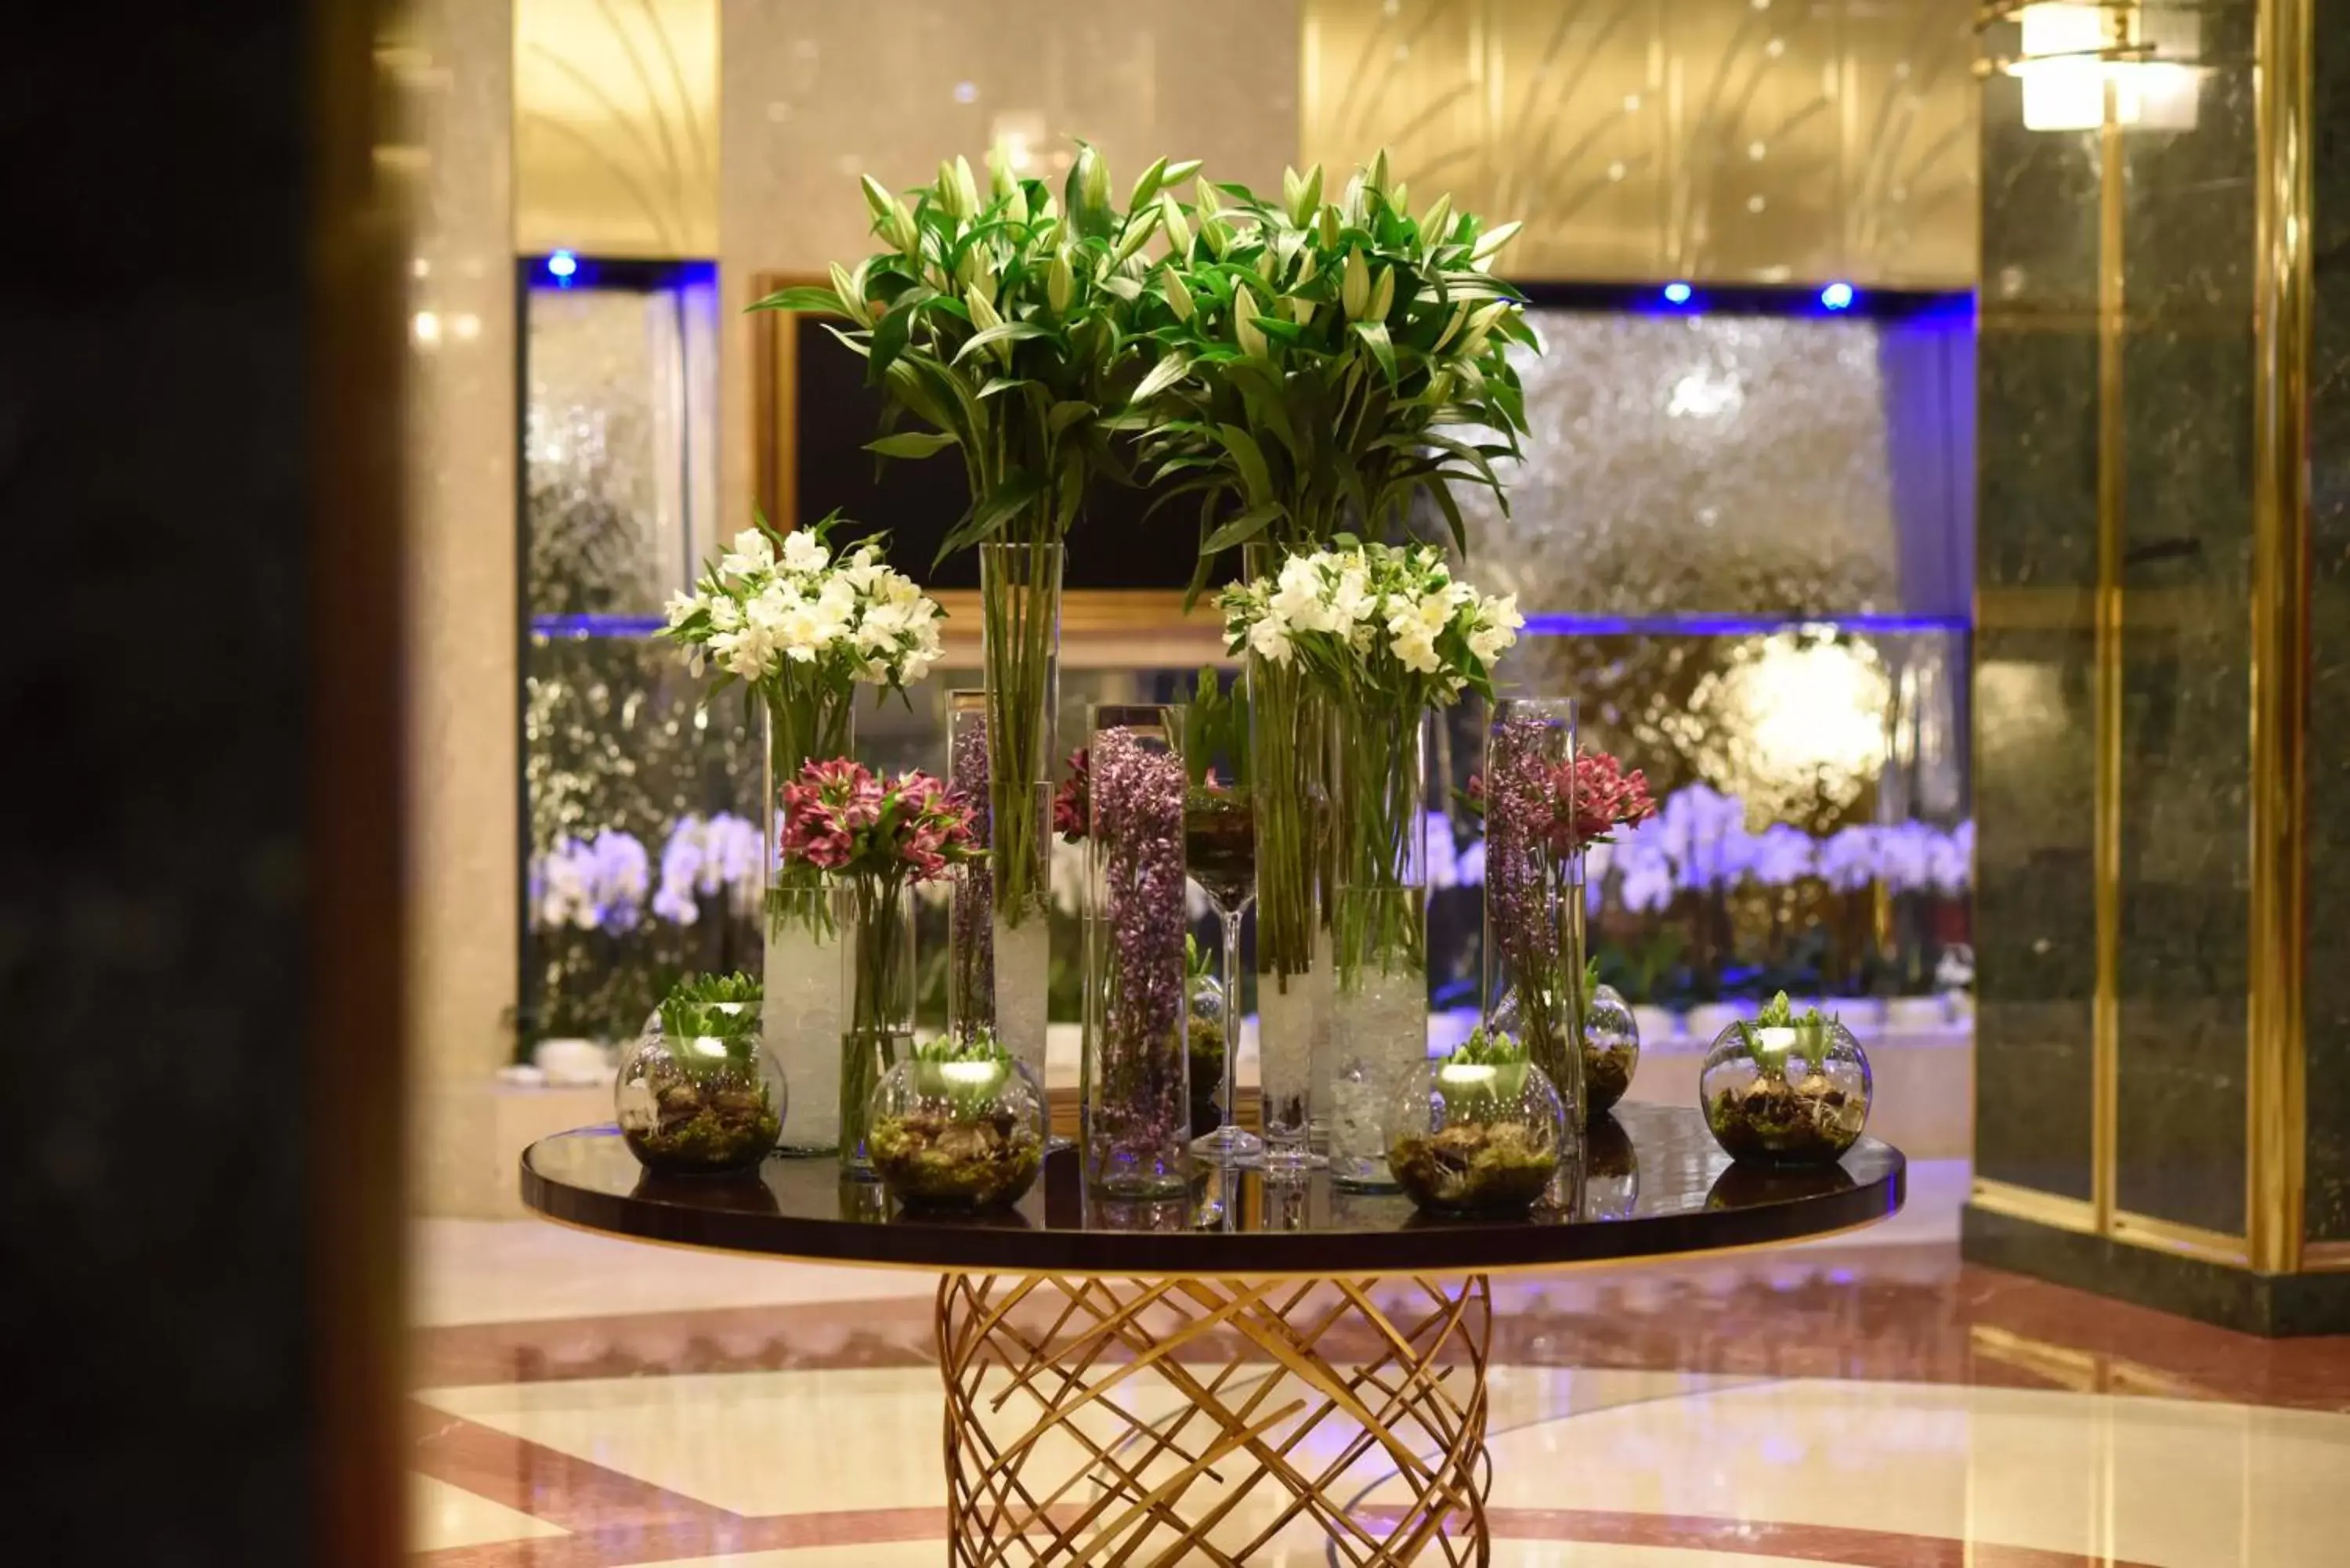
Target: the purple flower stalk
(1142, 1116)
(970, 916)
(1526, 917)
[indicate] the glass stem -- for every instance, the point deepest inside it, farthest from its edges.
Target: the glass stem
(1229, 921)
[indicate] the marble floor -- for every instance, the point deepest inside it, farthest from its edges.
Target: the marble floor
(587, 1403)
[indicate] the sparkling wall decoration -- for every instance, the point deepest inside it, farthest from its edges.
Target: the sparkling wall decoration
(1648, 139)
(1697, 463)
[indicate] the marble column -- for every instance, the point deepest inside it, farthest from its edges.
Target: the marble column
(2160, 1065)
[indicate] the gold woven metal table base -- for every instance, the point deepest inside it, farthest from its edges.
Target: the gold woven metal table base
(1152, 1423)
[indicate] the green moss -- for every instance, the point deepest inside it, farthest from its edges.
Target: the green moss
(927, 1159)
(1475, 1168)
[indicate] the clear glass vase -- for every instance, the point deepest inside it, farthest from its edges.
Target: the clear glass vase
(1611, 1051)
(877, 976)
(1791, 1094)
(1379, 910)
(958, 1134)
(1475, 1139)
(1534, 888)
(800, 964)
(1290, 748)
(1137, 1106)
(711, 1102)
(1020, 601)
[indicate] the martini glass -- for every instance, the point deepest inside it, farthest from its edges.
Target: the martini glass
(1220, 854)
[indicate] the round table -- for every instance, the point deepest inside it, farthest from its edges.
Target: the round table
(1290, 1332)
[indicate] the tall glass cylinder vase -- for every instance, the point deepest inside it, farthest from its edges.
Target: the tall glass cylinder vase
(1020, 598)
(877, 976)
(1533, 889)
(1379, 923)
(970, 924)
(1289, 767)
(1138, 1117)
(800, 968)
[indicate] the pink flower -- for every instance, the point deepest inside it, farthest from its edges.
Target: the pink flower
(842, 818)
(1603, 796)
(1071, 803)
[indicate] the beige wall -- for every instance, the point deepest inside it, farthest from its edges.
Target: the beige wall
(462, 678)
(812, 96)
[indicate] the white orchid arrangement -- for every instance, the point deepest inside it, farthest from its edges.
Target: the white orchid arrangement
(780, 609)
(1387, 622)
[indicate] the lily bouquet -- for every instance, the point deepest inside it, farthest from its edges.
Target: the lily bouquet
(803, 628)
(998, 324)
(877, 837)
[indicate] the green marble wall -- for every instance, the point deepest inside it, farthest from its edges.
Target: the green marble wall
(2326, 997)
(2189, 248)
(2036, 562)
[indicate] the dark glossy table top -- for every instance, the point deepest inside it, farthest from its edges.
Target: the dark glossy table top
(1657, 1185)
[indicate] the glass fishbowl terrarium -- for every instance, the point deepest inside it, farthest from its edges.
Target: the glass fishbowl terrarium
(958, 1124)
(1785, 1090)
(1611, 1050)
(698, 1095)
(1480, 1131)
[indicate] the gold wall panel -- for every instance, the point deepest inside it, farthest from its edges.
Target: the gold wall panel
(1723, 140)
(616, 127)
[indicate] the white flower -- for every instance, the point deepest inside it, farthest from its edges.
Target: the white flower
(753, 552)
(726, 614)
(1269, 638)
(1351, 601)
(681, 609)
(803, 552)
(1415, 648)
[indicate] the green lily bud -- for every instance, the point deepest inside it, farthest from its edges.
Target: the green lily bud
(903, 232)
(1060, 282)
(1354, 286)
(1383, 294)
(1439, 218)
(1300, 308)
(966, 188)
(983, 312)
(1147, 186)
(1397, 197)
(1000, 180)
(877, 197)
(1440, 387)
(1308, 269)
(1182, 169)
(1093, 183)
(1377, 177)
(1205, 194)
(1179, 294)
(949, 196)
(1178, 232)
(983, 286)
(851, 297)
(1245, 330)
(1219, 236)
(1138, 230)
(1489, 244)
(1330, 226)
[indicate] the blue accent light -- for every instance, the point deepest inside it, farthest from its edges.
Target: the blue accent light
(563, 266)
(584, 625)
(1678, 293)
(1838, 297)
(1571, 625)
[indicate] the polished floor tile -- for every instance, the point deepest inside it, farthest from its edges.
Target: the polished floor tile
(441, 1516)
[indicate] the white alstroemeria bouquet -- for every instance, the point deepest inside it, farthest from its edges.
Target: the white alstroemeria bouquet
(1383, 624)
(1385, 632)
(803, 628)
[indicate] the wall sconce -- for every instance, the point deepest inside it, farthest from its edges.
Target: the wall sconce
(2072, 50)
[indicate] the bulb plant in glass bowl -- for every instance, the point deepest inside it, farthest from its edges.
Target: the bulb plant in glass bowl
(999, 323)
(1785, 1090)
(959, 1125)
(1479, 1131)
(698, 1094)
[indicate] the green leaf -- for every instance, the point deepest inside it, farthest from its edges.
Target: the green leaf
(1064, 414)
(1255, 478)
(1451, 510)
(909, 444)
(802, 297)
(1004, 332)
(1163, 375)
(1375, 333)
(1003, 384)
(1241, 529)
(1009, 499)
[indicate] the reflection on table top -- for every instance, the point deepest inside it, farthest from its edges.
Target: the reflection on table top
(1653, 1184)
